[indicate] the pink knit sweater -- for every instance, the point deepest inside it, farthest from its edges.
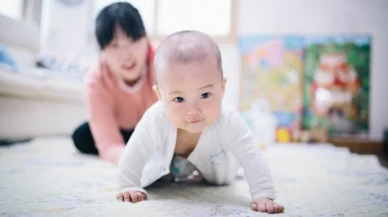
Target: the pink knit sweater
(113, 105)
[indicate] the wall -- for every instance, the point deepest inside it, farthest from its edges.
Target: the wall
(231, 68)
(328, 17)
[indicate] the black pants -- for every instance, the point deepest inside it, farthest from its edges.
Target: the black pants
(84, 142)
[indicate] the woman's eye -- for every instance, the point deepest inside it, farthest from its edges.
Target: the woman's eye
(178, 99)
(205, 95)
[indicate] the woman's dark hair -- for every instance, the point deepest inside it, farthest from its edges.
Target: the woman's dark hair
(122, 14)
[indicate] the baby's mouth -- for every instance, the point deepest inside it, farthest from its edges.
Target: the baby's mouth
(195, 121)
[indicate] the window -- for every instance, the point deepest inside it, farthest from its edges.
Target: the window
(146, 9)
(212, 17)
(163, 17)
(13, 9)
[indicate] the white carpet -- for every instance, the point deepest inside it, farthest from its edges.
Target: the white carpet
(47, 177)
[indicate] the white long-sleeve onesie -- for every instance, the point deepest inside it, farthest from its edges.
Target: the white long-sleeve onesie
(222, 148)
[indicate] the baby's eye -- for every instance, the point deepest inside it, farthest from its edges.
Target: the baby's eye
(205, 95)
(178, 99)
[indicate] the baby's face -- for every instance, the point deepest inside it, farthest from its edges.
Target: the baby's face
(192, 94)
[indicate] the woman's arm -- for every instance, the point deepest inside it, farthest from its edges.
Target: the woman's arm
(103, 124)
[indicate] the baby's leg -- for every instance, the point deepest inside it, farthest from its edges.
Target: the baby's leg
(183, 170)
(223, 169)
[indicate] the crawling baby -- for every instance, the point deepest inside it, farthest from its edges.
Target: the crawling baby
(191, 125)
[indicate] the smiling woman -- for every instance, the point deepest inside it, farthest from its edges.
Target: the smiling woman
(119, 87)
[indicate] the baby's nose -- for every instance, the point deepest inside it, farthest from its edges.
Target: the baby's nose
(193, 112)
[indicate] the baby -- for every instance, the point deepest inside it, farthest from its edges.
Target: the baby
(190, 125)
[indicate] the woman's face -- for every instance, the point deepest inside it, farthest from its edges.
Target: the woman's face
(125, 57)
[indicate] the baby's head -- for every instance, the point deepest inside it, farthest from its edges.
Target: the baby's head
(189, 79)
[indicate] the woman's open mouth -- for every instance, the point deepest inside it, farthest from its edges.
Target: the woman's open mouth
(129, 67)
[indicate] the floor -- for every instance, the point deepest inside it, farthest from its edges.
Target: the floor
(48, 177)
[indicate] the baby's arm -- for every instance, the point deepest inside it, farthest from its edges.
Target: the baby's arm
(132, 162)
(241, 143)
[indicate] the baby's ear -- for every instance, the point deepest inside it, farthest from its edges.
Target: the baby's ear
(156, 90)
(224, 83)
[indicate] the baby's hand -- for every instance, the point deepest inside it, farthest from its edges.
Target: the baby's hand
(267, 205)
(131, 196)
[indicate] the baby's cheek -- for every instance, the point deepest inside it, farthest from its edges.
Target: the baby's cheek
(216, 110)
(176, 109)
(175, 114)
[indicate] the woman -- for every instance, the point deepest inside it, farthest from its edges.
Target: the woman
(119, 87)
